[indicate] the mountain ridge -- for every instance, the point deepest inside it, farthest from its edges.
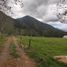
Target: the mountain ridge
(43, 29)
(27, 25)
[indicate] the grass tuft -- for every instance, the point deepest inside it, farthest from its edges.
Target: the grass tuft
(13, 51)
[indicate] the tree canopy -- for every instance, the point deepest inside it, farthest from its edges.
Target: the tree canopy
(62, 10)
(5, 7)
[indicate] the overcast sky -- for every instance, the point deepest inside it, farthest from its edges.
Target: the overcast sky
(36, 8)
(40, 9)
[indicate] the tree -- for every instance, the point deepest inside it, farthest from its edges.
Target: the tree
(62, 15)
(5, 7)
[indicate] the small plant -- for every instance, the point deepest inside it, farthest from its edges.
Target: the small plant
(13, 51)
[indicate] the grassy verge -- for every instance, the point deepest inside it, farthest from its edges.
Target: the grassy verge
(43, 49)
(2, 40)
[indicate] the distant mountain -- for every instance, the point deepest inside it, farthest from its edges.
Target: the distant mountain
(6, 24)
(31, 26)
(27, 26)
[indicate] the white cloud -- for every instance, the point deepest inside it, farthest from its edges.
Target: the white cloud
(51, 13)
(41, 9)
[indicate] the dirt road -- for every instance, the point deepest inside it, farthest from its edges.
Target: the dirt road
(6, 60)
(5, 52)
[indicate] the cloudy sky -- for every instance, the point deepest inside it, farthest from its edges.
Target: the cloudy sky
(36, 8)
(43, 10)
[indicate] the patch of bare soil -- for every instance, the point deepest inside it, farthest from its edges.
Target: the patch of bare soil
(62, 59)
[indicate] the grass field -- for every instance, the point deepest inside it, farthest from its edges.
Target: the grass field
(2, 39)
(43, 49)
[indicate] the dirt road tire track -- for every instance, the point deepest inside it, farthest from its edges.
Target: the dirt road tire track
(5, 53)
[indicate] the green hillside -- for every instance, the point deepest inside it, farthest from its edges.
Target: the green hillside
(6, 24)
